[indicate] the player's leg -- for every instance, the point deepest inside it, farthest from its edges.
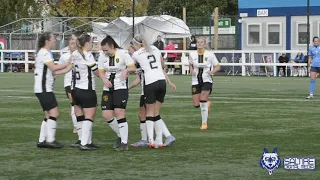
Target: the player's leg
(43, 131)
(158, 119)
(51, 106)
(150, 100)
(72, 113)
(313, 76)
(89, 106)
(204, 105)
(120, 98)
(143, 129)
(108, 115)
(76, 94)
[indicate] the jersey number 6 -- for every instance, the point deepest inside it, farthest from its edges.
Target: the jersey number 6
(77, 72)
(152, 61)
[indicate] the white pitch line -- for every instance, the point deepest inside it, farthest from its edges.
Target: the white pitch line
(214, 98)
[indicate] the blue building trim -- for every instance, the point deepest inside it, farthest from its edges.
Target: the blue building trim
(283, 11)
(288, 32)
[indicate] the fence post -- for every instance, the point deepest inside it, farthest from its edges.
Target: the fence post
(275, 67)
(243, 60)
(26, 63)
(2, 63)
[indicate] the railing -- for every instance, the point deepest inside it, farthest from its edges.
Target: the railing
(235, 61)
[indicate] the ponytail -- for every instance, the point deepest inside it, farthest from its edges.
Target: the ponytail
(42, 40)
(140, 39)
(81, 41)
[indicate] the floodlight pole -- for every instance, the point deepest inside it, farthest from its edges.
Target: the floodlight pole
(133, 7)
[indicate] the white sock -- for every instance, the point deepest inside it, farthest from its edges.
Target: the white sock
(143, 130)
(165, 130)
(74, 117)
(43, 131)
(123, 130)
(51, 129)
(86, 128)
(90, 137)
(79, 129)
(113, 123)
(150, 129)
(204, 111)
(158, 129)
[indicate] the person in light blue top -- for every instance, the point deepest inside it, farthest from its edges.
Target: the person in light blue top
(314, 61)
(299, 58)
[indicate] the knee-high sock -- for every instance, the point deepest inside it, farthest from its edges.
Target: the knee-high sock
(158, 129)
(150, 128)
(165, 130)
(204, 111)
(312, 86)
(86, 130)
(123, 130)
(143, 130)
(73, 117)
(113, 123)
(51, 129)
(43, 130)
(80, 120)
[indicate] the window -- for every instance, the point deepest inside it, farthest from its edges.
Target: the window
(254, 35)
(274, 37)
(302, 33)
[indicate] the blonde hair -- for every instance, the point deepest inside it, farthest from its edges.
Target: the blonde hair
(140, 40)
(205, 41)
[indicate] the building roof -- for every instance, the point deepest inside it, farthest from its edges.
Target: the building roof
(275, 3)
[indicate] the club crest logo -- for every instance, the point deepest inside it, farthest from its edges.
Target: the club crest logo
(270, 160)
(206, 59)
(194, 89)
(117, 60)
(105, 98)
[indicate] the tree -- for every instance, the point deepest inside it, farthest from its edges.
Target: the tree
(12, 10)
(95, 8)
(198, 11)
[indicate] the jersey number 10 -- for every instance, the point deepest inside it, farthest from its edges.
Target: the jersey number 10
(152, 61)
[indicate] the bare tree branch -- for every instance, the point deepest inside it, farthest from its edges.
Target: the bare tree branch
(54, 8)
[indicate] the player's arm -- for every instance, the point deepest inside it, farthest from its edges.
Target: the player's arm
(136, 82)
(63, 71)
(166, 75)
(216, 65)
(193, 73)
(102, 74)
(55, 67)
(129, 62)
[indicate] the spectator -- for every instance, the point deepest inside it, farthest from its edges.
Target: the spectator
(159, 43)
(193, 43)
(171, 57)
(282, 59)
(297, 70)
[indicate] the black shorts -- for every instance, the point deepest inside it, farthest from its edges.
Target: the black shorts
(84, 98)
(315, 69)
(114, 99)
(197, 89)
(47, 100)
(68, 90)
(155, 92)
(142, 101)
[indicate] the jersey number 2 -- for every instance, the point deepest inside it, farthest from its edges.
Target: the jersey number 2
(152, 61)
(77, 72)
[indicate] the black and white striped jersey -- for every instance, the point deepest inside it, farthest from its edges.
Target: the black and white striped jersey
(84, 66)
(43, 76)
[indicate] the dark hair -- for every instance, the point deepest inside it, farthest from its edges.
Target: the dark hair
(42, 40)
(81, 41)
(77, 33)
(314, 38)
(110, 41)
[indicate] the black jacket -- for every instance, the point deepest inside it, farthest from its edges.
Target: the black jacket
(159, 45)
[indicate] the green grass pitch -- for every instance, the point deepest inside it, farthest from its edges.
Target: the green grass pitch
(248, 114)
